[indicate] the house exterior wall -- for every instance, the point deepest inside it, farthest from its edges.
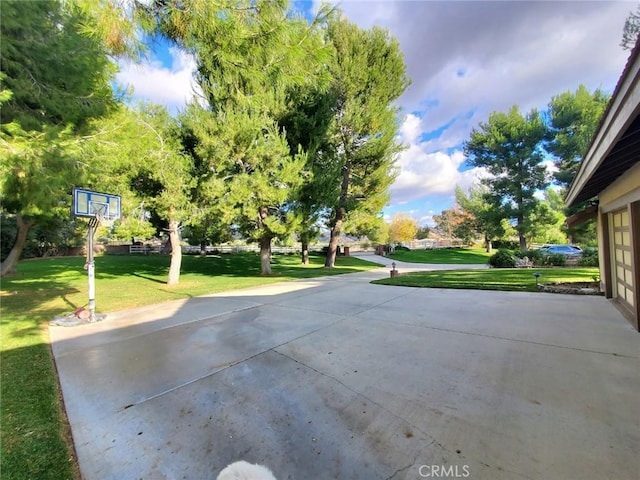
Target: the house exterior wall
(623, 191)
(621, 196)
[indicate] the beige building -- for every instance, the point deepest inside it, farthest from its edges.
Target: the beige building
(610, 172)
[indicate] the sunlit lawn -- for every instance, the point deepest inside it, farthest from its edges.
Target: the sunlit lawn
(32, 426)
(508, 279)
(459, 256)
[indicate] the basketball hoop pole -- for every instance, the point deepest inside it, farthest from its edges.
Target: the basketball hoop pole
(93, 223)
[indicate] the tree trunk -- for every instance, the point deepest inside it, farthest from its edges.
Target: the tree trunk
(265, 255)
(336, 229)
(9, 263)
(305, 250)
(176, 253)
(487, 243)
(521, 234)
(521, 226)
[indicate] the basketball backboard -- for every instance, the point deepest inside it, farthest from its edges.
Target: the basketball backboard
(95, 204)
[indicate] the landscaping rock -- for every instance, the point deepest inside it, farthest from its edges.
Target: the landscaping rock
(571, 288)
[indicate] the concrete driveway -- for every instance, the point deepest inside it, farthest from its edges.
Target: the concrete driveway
(336, 378)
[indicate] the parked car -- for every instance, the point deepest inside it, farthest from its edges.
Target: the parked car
(566, 250)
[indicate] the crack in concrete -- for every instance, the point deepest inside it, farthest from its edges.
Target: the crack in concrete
(229, 365)
(383, 303)
(399, 471)
(348, 315)
(498, 337)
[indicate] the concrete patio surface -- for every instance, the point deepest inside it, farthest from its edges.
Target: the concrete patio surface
(336, 378)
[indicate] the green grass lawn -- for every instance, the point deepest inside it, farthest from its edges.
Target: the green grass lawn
(507, 279)
(35, 442)
(449, 256)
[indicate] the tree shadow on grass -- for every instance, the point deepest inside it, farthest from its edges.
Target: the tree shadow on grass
(34, 305)
(147, 277)
(45, 288)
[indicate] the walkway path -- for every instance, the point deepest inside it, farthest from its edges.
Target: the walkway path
(414, 267)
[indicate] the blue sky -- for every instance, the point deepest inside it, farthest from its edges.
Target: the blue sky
(466, 59)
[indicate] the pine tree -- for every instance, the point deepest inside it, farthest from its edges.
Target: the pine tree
(574, 117)
(137, 153)
(509, 147)
(250, 56)
(369, 76)
(44, 113)
(307, 125)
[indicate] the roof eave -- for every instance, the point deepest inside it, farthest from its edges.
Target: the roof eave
(621, 111)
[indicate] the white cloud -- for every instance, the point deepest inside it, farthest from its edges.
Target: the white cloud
(411, 128)
(467, 59)
(154, 82)
(426, 220)
(424, 172)
(550, 167)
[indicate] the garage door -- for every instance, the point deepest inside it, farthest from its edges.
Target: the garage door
(623, 258)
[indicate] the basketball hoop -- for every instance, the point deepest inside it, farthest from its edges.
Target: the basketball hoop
(88, 204)
(100, 209)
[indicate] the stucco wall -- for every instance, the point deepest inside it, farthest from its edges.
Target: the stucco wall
(623, 191)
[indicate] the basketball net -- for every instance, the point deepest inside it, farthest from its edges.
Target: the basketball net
(95, 221)
(100, 219)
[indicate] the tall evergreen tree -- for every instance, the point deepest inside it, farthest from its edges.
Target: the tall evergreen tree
(509, 147)
(574, 117)
(307, 125)
(369, 75)
(137, 152)
(250, 54)
(44, 111)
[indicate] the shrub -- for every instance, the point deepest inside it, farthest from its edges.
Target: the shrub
(403, 248)
(505, 245)
(555, 259)
(536, 256)
(503, 259)
(589, 257)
